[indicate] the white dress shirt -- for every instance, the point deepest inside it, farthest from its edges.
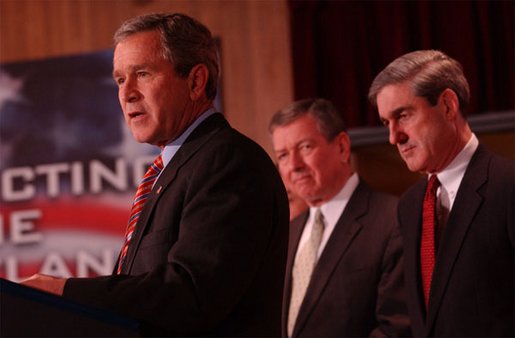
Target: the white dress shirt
(451, 177)
(332, 210)
(173, 147)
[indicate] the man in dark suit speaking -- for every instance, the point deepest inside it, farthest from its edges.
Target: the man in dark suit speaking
(458, 222)
(205, 249)
(344, 270)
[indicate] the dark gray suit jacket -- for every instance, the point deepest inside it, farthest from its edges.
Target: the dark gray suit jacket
(209, 250)
(357, 287)
(472, 291)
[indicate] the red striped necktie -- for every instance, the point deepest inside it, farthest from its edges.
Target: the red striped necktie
(140, 198)
(427, 241)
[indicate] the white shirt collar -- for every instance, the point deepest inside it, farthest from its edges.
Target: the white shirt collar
(171, 148)
(450, 177)
(332, 211)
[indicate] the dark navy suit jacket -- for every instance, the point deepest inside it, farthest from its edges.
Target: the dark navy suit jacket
(356, 289)
(209, 251)
(472, 291)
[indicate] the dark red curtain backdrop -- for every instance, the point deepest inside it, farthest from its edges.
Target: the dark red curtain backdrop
(339, 46)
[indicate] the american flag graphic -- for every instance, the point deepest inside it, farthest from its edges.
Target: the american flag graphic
(69, 167)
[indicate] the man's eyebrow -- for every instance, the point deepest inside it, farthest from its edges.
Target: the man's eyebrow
(397, 111)
(296, 144)
(133, 68)
(393, 114)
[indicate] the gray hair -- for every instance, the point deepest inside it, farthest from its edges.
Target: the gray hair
(185, 41)
(330, 123)
(430, 72)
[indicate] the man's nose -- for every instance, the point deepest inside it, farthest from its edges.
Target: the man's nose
(397, 135)
(392, 137)
(394, 133)
(296, 162)
(129, 92)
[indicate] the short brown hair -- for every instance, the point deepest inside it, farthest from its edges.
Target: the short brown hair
(185, 41)
(330, 123)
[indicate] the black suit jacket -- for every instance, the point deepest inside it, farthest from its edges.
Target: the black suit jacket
(356, 289)
(209, 250)
(472, 291)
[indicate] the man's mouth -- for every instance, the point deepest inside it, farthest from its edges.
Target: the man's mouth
(300, 179)
(404, 150)
(136, 114)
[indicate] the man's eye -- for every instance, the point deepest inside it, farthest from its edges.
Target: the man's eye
(142, 74)
(305, 147)
(119, 81)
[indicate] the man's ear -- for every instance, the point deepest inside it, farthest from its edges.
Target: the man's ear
(343, 140)
(197, 81)
(450, 101)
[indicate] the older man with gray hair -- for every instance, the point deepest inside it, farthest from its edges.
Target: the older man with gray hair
(458, 221)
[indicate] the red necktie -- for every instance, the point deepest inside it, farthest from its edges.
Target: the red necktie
(140, 198)
(427, 241)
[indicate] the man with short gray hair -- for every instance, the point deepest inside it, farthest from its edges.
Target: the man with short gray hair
(344, 268)
(458, 222)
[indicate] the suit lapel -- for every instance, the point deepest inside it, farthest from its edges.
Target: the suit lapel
(193, 143)
(467, 202)
(411, 220)
(345, 231)
(296, 228)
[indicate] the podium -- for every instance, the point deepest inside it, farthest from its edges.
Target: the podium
(27, 312)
